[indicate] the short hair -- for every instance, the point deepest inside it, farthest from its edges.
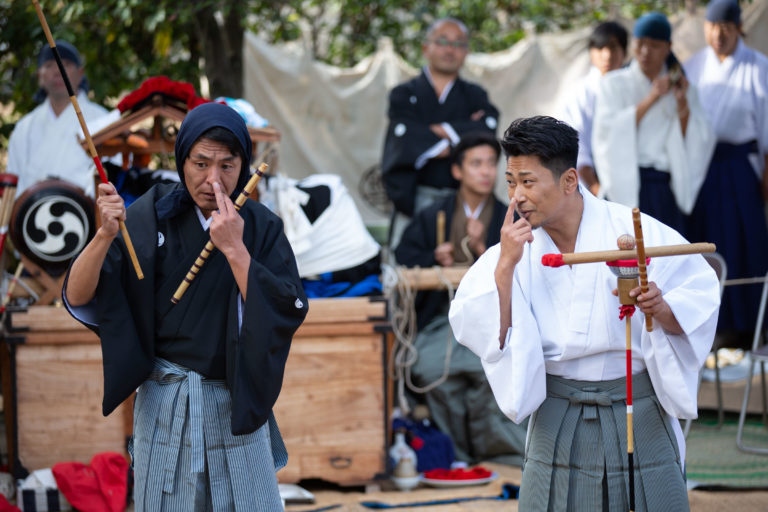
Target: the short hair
(433, 26)
(554, 142)
(473, 140)
(604, 32)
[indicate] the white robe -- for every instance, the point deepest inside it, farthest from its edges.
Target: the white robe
(579, 111)
(43, 146)
(620, 146)
(734, 93)
(565, 321)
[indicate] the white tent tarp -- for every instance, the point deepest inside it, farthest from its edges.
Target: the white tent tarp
(333, 120)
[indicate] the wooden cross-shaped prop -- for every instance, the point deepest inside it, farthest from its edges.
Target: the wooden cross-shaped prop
(628, 263)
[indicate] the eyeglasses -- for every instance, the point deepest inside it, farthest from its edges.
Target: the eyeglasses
(461, 45)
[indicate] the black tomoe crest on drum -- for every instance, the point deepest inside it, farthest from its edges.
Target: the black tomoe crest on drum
(51, 223)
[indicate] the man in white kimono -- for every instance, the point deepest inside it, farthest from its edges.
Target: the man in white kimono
(44, 144)
(651, 140)
(607, 51)
(732, 79)
(553, 347)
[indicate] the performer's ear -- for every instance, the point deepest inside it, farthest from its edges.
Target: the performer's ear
(569, 180)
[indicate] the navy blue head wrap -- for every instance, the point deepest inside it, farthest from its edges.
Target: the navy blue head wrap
(724, 10)
(198, 121)
(653, 25)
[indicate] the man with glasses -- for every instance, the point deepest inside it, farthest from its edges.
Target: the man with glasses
(427, 116)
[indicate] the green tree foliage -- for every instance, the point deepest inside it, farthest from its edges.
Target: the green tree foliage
(126, 41)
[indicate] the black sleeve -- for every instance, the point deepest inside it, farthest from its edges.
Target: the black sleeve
(274, 309)
(408, 137)
(417, 245)
(478, 99)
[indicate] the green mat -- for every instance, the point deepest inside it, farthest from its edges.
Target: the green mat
(714, 460)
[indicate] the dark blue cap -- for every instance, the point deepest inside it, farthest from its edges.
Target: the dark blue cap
(66, 51)
(719, 11)
(653, 25)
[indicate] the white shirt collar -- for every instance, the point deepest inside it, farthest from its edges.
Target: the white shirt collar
(205, 223)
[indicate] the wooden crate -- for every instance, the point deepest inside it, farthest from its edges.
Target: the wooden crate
(331, 411)
(52, 386)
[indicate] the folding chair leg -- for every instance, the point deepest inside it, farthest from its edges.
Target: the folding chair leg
(743, 415)
(719, 390)
(765, 404)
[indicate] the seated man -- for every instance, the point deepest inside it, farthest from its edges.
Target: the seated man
(462, 406)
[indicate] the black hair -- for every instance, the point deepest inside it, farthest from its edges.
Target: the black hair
(554, 142)
(473, 140)
(604, 32)
(230, 141)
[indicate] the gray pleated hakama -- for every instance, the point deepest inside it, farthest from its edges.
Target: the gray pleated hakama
(576, 455)
(185, 456)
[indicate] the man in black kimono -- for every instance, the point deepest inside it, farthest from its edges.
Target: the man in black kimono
(427, 116)
(462, 406)
(209, 369)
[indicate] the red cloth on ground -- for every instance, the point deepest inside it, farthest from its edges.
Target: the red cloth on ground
(98, 487)
(475, 473)
(183, 91)
(5, 505)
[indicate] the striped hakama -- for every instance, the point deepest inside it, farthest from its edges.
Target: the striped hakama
(185, 456)
(576, 455)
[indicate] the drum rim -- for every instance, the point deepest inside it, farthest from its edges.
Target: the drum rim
(84, 202)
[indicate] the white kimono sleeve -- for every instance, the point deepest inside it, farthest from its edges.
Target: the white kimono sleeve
(689, 156)
(516, 374)
(614, 144)
(692, 290)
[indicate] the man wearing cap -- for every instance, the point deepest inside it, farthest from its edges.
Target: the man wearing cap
(651, 140)
(44, 144)
(209, 369)
(732, 79)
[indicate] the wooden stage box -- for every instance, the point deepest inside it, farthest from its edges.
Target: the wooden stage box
(332, 410)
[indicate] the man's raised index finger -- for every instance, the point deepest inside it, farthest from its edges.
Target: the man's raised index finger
(510, 216)
(220, 198)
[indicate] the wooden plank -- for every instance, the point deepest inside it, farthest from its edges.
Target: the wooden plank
(353, 309)
(321, 311)
(61, 338)
(59, 393)
(347, 467)
(330, 329)
(46, 318)
(432, 278)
